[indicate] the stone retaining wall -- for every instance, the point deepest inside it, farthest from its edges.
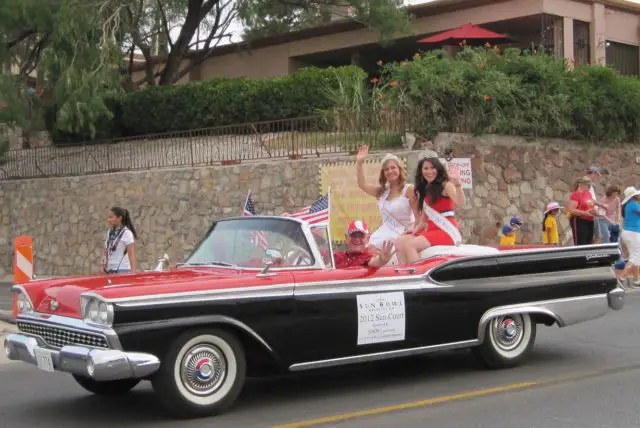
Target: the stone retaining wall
(173, 208)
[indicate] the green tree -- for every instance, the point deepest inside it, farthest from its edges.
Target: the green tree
(84, 49)
(262, 18)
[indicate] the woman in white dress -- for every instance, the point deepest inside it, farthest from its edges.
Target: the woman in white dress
(397, 202)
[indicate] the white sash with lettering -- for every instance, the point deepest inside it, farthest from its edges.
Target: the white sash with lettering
(444, 224)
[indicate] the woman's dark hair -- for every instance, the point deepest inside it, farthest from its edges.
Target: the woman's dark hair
(126, 219)
(544, 220)
(432, 190)
(622, 208)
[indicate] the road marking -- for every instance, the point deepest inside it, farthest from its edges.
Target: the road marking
(409, 405)
(457, 397)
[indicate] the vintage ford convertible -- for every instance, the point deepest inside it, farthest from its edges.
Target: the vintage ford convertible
(198, 330)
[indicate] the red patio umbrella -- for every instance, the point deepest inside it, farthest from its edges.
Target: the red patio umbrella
(469, 32)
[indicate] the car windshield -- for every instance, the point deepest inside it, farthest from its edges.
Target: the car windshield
(243, 242)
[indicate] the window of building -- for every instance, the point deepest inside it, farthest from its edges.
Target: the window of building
(623, 58)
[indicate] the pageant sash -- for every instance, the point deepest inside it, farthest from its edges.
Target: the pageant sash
(444, 224)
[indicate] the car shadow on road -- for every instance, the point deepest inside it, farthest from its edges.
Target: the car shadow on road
(266, 395)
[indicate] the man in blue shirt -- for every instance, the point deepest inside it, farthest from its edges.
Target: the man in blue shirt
(631, 233)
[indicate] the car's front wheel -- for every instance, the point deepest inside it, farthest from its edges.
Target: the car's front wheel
(508, 340)
(110, 387)
(202, 374)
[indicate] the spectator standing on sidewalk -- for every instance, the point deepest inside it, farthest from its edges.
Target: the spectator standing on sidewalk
(582, 207)
(631, 233)
(119, 254)
(601, 225)
(612, 213)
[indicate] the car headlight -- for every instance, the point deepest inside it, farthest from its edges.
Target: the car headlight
(24, 303)
(96, 311)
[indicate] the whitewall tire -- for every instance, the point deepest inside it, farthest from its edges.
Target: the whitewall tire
(508, 340)
(202, 374)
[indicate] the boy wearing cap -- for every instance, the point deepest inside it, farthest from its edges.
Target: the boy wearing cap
(509, 231)
(508, 235)
(358, 254)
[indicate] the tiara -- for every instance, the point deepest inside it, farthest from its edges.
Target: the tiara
(428, 153)
(390, 156)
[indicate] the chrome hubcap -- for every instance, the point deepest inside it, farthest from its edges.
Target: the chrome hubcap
(204, 369)
(508, 331)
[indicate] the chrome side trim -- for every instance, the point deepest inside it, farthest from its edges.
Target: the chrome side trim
(97, 364)
(256, 292)
(321, 288)
(355, 359)
(389, 283)
(567, 311)
(71, 324)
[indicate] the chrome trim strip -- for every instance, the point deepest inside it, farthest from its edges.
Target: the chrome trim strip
(566, 311)
(405, 282)
(71, 324)
(256, 292)
(355, 359)
(107, 364)
(314, 289)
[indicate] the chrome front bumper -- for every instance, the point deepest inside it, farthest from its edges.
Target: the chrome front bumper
(97, 364)
(616, 298)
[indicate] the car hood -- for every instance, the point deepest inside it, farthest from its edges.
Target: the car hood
(66, 291)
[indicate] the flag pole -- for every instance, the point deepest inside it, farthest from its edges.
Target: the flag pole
(245, 201)
(329, 203)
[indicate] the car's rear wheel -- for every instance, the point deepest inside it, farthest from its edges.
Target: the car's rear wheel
(508, 340)
(110, 387)
(202, 374)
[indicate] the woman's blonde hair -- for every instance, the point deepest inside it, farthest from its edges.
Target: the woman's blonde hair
(403, 170)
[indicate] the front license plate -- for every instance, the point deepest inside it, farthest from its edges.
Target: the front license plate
(44, 360)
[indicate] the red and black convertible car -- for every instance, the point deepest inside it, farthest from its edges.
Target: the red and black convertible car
(197, 330)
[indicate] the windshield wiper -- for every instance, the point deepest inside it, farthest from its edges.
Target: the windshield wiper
(214, 263)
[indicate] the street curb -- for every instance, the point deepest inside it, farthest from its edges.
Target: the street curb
(6, 317)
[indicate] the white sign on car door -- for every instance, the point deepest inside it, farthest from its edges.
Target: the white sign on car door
(381, 317)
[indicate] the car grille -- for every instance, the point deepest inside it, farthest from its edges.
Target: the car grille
(58, 337)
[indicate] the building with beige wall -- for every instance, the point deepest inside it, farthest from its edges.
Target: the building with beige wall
(605, 32)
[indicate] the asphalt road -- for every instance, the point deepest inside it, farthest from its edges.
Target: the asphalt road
(581, 376)
(5, 297)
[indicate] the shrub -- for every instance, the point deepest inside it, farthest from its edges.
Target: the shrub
(220, 102)
(515, 92)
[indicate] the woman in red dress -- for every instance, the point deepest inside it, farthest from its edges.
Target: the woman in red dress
(441, 191)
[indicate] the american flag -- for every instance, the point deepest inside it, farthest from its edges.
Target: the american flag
(318, 212)
(259, 239)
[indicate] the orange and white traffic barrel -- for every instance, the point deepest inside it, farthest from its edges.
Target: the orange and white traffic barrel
(22, 266)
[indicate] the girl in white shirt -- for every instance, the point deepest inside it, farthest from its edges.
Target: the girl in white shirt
(119, 256)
